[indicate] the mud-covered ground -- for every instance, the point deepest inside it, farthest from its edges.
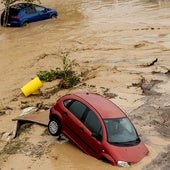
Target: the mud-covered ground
(125, 58)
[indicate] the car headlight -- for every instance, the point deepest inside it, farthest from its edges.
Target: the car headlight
(123, 164)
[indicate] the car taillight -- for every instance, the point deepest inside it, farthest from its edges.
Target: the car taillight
(15, 17)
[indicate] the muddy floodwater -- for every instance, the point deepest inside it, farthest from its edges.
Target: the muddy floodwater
(123, 49)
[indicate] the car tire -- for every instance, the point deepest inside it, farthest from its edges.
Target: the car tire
(25, 24)
(53, 16)
(54, 127)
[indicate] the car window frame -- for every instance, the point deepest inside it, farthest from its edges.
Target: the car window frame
(100, 130)
(72, 101)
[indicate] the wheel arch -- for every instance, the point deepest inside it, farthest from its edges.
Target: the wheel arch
(54, 116)
(53, 16)
(24, 23)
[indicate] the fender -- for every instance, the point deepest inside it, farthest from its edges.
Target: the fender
(109, 159)
(54, 113)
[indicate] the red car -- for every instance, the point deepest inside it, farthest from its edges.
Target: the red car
(98, 127)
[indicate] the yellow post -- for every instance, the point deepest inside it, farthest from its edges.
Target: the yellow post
(32, 87)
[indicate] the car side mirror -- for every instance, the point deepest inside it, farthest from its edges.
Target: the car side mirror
(97, 136)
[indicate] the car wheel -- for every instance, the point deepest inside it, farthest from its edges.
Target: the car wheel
(54, 127)
(25, 24)
(53, 16)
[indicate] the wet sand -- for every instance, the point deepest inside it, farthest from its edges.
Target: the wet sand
(113, 43)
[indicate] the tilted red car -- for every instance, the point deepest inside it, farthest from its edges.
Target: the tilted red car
(98, 127)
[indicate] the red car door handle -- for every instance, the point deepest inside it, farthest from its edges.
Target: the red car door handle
(81, 129)
(66, 113)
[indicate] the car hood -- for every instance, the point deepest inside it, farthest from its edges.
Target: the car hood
(130, 154)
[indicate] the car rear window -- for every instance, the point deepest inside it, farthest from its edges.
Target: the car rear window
(13, 12)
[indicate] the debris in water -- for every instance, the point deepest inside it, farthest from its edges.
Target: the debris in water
(30, 114)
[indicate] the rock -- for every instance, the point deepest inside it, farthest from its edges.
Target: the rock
(28, 110)
(2, 113)
(15, 130)
(6, 136)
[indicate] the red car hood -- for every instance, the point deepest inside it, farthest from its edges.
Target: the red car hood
(131, 154)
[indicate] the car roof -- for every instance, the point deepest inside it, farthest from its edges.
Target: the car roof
(21, 5)
(103, 106)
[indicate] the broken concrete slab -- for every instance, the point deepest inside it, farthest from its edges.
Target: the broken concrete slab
(28, 110)
(31, 115)
(40, 117)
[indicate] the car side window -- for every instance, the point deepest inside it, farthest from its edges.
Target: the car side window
(77, 108)
(39, 9)
(67, 103)
(93, 123)
(30, 10)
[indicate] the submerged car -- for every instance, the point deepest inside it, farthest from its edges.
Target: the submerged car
(98, 127)
(23, 13)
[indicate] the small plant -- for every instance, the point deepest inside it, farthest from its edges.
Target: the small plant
(47, 75)
(69, 82)
(68, 76)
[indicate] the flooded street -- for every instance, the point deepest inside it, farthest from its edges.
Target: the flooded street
(92, 24)
(113, 42)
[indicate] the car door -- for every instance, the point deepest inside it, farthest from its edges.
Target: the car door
(72, 124)
(78, 131)
(92, 133)
(30, 14)
(42, 12)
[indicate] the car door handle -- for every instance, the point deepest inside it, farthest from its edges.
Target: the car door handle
(82, 129)
(66, 113)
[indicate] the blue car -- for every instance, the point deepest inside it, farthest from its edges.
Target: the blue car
(23, 13)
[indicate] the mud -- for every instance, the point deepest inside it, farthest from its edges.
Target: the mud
(115, 44)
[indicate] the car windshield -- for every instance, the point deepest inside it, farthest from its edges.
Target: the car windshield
(120, 131)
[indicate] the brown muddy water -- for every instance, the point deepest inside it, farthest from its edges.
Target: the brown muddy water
(115, 39)
(101, 22)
